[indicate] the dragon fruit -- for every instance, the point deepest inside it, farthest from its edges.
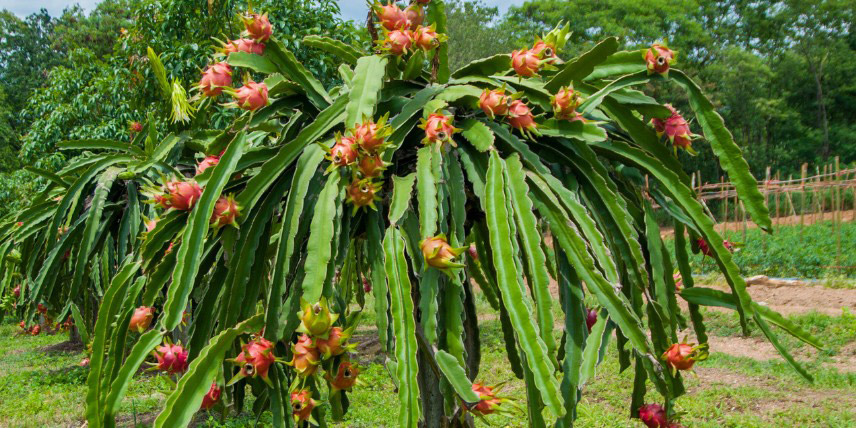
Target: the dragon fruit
(367, 286)
(334, 344)
(391, 16)
(705, 249)
(415, 14)
(255, 359)
(591, 318)
(363, 193)
(258, 26)
(182, 194)
(141, 319)
(42, 309)
(439, 254)
(398, 42)
(212, 397)
(658, 59)
(244, 45)
(207, 162)
(171, 358)
(525, 62)
(343, 153)
(494, 102)
(426, 38)
(35, 330)
(682, 356)
(371, 166)
(305, 356)
(136, 127)
(474, 254)
(215, 78)
(22, 325)
(316, 319)
(544, 50)
(346, 377)
(438, 129)
(676, 129)
(653, 416)
(252, 96)
(489, 401)
(84, 362)
(370, 136)
(226, 210)
(679, 282)
(302, 405)
(520, 117)
(17, 291)
(565, 103)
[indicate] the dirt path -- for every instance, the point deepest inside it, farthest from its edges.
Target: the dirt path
(797, 298)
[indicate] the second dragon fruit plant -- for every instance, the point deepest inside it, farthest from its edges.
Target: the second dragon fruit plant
(246, 256)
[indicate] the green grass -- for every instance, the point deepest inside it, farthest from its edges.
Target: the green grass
(40, 387)
(790, 253)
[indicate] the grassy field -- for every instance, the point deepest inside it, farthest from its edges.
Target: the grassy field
(789, 252)
(41, 384)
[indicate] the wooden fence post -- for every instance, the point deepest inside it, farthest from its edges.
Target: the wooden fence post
(802, 198)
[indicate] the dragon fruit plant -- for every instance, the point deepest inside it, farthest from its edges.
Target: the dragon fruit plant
(400, 188)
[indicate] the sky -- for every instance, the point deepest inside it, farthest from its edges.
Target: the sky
(351, 9)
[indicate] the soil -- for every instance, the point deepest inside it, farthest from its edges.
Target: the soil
(797, 298)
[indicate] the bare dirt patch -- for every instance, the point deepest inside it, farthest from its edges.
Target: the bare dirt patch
(63, 347)
(800, 298)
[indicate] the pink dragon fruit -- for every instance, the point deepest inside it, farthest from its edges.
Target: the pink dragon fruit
(525, 62)
(334, 344)
(415, 15)
(520, 117)
(544, 50)
(255, 359)
(17, 291)
(438, 129)
(367, 286)
(391, 16)
(371, 136)
(226, 210)
(211, 398)
(258, 27)
(84, 362)
(346, 377)
(494, 102)
(489, 401)
(363, 193)
(141, 319)
(302, 405)
(682, 356)
(305, 356)
(252, 96)
(426, 38)
(371, 166)
(658, 59)
(171, 358)
(42, 309)
(244, 45)
(215, 78)
(591, 318)
(653, 416)
(344, 152)
(398, 42)
(474, 254)
(565, 103)
(135, 127)
(679, 282)
(35, 330)
(207, 162)
(182, 194)
(439, 254)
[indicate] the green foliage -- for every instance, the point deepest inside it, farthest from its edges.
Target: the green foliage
(308, 271)
(775, 255)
